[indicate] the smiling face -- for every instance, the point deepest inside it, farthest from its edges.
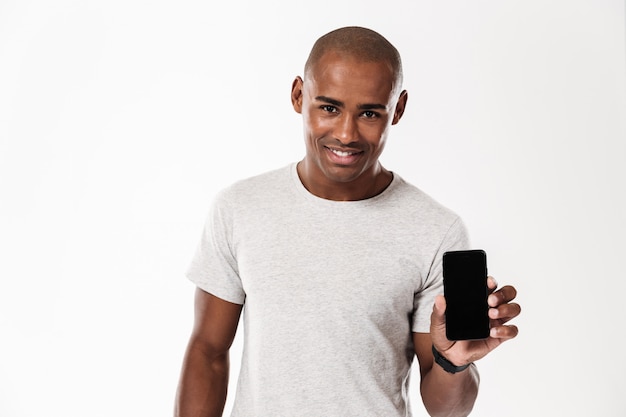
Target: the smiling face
(348, 106)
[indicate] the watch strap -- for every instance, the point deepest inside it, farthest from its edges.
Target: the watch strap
(446, 364)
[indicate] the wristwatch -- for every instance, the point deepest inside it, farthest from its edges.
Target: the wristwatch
(446, 364)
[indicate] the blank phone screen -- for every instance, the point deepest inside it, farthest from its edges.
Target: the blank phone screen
(465, 290)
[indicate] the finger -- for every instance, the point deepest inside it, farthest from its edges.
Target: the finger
(505, 312)
(502, 296)
(492, 284)
(504, 332)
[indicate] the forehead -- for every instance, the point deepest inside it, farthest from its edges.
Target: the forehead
(350, 76)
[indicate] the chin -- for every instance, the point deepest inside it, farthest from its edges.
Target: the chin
(342, 175)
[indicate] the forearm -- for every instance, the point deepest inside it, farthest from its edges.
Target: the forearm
(449, 395)
(203, 384)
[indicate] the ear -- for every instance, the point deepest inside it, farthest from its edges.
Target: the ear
(296, 94)
(400, 106)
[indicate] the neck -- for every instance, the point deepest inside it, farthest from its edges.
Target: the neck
(368, 185)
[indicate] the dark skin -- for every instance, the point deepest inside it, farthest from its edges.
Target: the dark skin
(336, 119)
(204, 379)
(348, 106)
(446, 394)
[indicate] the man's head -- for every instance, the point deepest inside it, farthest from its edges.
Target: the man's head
(360, 43)
(349, 98)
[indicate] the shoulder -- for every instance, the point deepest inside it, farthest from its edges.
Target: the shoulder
(429, 219)
(255, 190)
(425, 216)
(418, 202)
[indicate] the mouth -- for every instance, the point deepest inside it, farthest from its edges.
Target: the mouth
(343, 156)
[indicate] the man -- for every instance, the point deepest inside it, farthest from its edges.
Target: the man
(338, 264)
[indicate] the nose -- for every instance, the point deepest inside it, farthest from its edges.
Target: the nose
(346, 130)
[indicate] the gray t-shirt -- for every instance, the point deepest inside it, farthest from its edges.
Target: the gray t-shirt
(331, 292)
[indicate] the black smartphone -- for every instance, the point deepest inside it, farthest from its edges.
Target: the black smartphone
(465, 291)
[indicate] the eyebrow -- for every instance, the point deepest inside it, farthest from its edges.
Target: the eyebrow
(338, 103)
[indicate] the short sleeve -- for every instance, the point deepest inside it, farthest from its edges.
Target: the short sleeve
(214, 265)
(455, 239)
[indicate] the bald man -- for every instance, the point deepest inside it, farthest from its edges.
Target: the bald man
(336, 263)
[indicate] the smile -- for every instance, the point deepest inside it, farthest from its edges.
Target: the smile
(343, 157)
(342, 153)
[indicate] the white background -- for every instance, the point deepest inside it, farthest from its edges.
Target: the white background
(119, 120)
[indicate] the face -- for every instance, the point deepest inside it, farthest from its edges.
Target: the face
(348, 107)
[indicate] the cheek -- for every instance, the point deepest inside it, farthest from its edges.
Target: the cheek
(317, 127)
(376, 136)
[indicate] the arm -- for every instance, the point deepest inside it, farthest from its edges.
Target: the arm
(443, 393)
(204, 377)
(446, 394)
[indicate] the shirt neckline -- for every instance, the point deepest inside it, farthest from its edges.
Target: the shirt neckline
(301, 190)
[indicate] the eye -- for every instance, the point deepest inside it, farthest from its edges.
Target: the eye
(368, 114)
(328, 108)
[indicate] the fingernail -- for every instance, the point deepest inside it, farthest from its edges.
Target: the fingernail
(493, 332)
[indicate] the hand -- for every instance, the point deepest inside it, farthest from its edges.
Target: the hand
(500, 312)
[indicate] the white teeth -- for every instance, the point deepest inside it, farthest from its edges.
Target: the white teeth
(341, 153)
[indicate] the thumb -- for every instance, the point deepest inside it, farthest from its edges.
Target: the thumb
(438, 318)
(438, 325)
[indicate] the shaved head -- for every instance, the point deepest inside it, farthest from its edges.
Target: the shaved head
(357, 43)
